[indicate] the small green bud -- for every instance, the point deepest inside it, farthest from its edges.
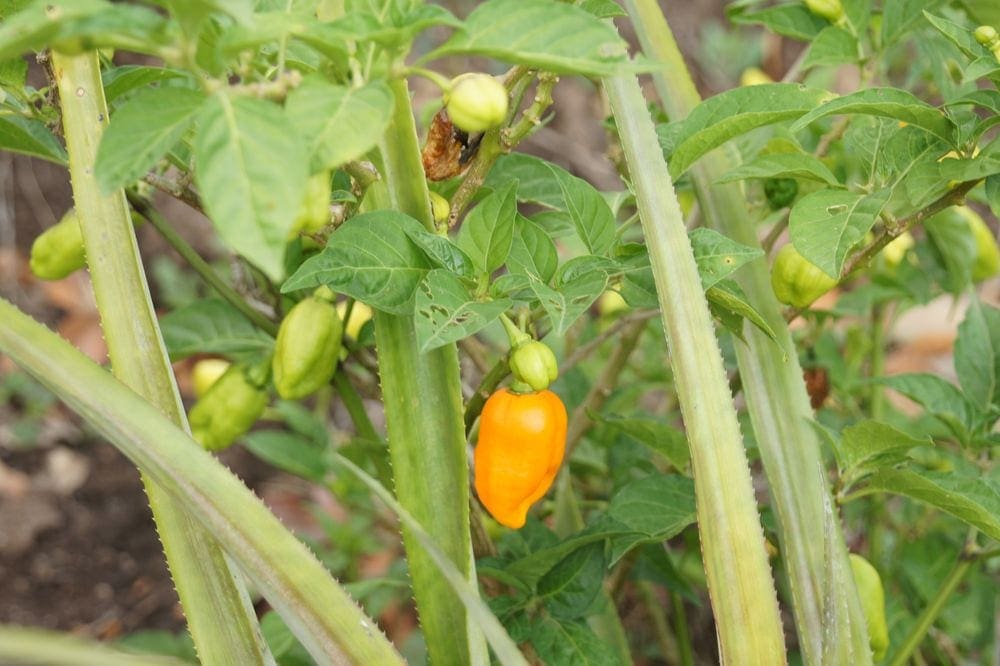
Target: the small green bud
(831, 10)
(534, 364)
(987, 36)
(476, 102)
(314, 211)
(440, 208)
(228, 410)
(307, 349)
(58, 251)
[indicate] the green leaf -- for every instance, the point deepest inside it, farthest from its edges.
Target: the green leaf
(730, 114)
(441, 250)
(542, 34)
(718, 256)
(658, 506)
(825, 225)
(13, 73)
(952, 239)
(370, 258)
(569, 644)
(974, 501)
(212, 326)
(869, 444)
(288, 452)
(784, 165)
(141, 132)
(550, 185)
(570, 587)
(887, 103)
(532, 251)
(832, 46)
(565, 305)
(939, 397)
(488, 229)
(603, 8)
(30, 137)
(251, 173)
(37, 24)
(899, 17)
(662, 438)
(119, 81)
(339, 124)
(958, 35)
(727, 299)
(791, 20)
(977, 355)
(447, 311)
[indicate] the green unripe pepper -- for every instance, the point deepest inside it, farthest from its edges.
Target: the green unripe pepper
(308, 346)
(534, 364)
(58, 251)
(796, 281)
(987, 262)
(831, 10)
(440, 208)
(476, 102)
(780, 192)
(228, 410)
(872, 598)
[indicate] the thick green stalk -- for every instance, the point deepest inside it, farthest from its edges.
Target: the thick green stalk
(218, 610)
(732, 541)
(424, 419)
(827, 612)
(318, 611)
(26, 646)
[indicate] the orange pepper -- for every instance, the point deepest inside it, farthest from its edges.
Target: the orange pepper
(522, 439)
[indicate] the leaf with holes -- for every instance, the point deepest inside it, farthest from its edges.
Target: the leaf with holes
(718, 256)
(446, 310)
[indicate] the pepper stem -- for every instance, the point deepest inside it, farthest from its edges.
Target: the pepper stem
(516, 336)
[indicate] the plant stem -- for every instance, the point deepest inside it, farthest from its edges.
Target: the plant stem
(933, 609)
(827, 612)
(739, 577)
(200, 266)
(423, 408)
(218, 610)
(681, 629)
(352, 403)
(661, 629)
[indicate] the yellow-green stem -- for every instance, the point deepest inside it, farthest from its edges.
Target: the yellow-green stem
(218, 610)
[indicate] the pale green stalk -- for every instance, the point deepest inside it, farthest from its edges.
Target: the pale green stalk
(827, 612)
(424, 419)
(739, 579)
(220, 616)
(30, 646)
(318, 611)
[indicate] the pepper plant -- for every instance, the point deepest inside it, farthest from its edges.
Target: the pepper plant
(698, 459)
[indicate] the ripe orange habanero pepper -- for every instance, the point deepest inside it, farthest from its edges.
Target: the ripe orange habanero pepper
(522, 439)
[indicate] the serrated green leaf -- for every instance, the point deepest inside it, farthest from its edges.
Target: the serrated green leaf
(532, 251)
(212, 326)
(570, 587)
(565, 305)
(888, 103)
(370, 258)
(141, 132)
(974, 501)
(832, 46)
(730, 114)
(446, 310)
(977, 355)
(488, 229)
(718, 256)
(251, 173)
(30, 137)
(654, 433)
(869, 444)
(339, 124)
(825, 225)
(544, 34)
(939, 397)
(784, 165)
